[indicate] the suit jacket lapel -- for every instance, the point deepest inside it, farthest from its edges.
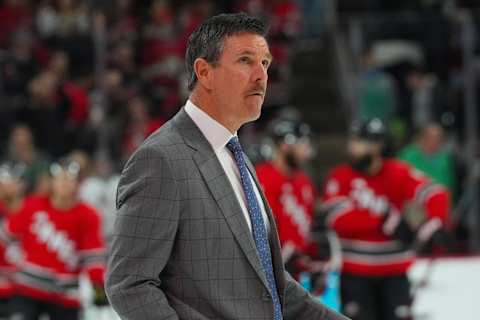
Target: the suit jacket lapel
(220, 187)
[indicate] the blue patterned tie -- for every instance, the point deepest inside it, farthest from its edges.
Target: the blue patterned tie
(258, 225)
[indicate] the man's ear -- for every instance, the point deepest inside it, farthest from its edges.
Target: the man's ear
(203, 71)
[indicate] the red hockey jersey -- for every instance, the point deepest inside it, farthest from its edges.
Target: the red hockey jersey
(55, 247)
(6, 269)
(292, 200)
(356, 205)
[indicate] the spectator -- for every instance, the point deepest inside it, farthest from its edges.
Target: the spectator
(66, 25)
(285, 27)
(140, 124)
(257, 8)
(123, 60)
(115, 93)
(22, 150)
(377, 96)
(46, 107)
(99, 190)
(123, 24)
(286, 19)
(59, 63)
(17, 66)
(46, 19)
(20, 64)
(314, 14)
(73, 94)
(66, 19)
(428, 98)
(14, 15)
(161, 55)
(429, 155)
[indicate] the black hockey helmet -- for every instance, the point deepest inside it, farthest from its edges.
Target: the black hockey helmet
(289, 131)
(65, 165)
(371, 129)
(11, 171)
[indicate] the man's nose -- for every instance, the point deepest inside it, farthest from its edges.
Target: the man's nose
(260, 72)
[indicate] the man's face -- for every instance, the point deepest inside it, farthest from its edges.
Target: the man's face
(358, 148)
(10, 188)
(64, 184)
(432, 140)
(298, 153)
(240, 77)
(362, 152)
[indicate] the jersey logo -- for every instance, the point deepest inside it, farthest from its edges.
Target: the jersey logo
(56, 241)
(294, 209)
(365, 198)
(332, 188)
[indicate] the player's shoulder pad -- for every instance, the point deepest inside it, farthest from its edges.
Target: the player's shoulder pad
(87, 211)
(339, 171)
(405, 168)
(35, 201)
(336, 179)
(396, 164)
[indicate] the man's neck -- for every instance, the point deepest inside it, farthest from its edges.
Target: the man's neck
(280, 163)
(62, 203)
(14, 204)
(426, 151)
(206, 104)
(376, 167)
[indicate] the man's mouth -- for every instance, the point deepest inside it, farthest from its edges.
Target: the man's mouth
(257, 93)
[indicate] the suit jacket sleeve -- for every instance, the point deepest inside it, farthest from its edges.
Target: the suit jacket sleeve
(145, 228)
(300, 305)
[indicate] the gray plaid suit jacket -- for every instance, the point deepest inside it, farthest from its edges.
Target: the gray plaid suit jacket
(182, 248)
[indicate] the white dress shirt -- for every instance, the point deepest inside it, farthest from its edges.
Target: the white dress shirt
(218, 136)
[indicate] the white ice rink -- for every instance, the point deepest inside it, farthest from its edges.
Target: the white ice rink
(452, 291)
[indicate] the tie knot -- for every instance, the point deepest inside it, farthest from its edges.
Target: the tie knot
(234, 145)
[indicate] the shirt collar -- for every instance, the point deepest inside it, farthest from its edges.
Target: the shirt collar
(215, 133)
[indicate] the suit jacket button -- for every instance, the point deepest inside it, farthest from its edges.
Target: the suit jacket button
(266, 296)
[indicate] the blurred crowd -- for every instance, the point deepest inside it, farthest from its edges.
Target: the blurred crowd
(103, 75)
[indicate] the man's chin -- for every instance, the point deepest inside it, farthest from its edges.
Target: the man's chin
(253, 110)
(255, 114)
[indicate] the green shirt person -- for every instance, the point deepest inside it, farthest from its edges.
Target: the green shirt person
(428, 155)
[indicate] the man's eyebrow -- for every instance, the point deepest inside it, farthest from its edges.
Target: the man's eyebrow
(251, 53)
(246, 52)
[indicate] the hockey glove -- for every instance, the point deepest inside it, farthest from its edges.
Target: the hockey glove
(394, 225)
(297, 263)
(99, 296)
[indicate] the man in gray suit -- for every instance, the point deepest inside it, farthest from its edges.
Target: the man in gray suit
(194, 237)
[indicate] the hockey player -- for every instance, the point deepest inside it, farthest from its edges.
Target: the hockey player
(12, 189)
(369, 204)
(59, 238)
(290, 192)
